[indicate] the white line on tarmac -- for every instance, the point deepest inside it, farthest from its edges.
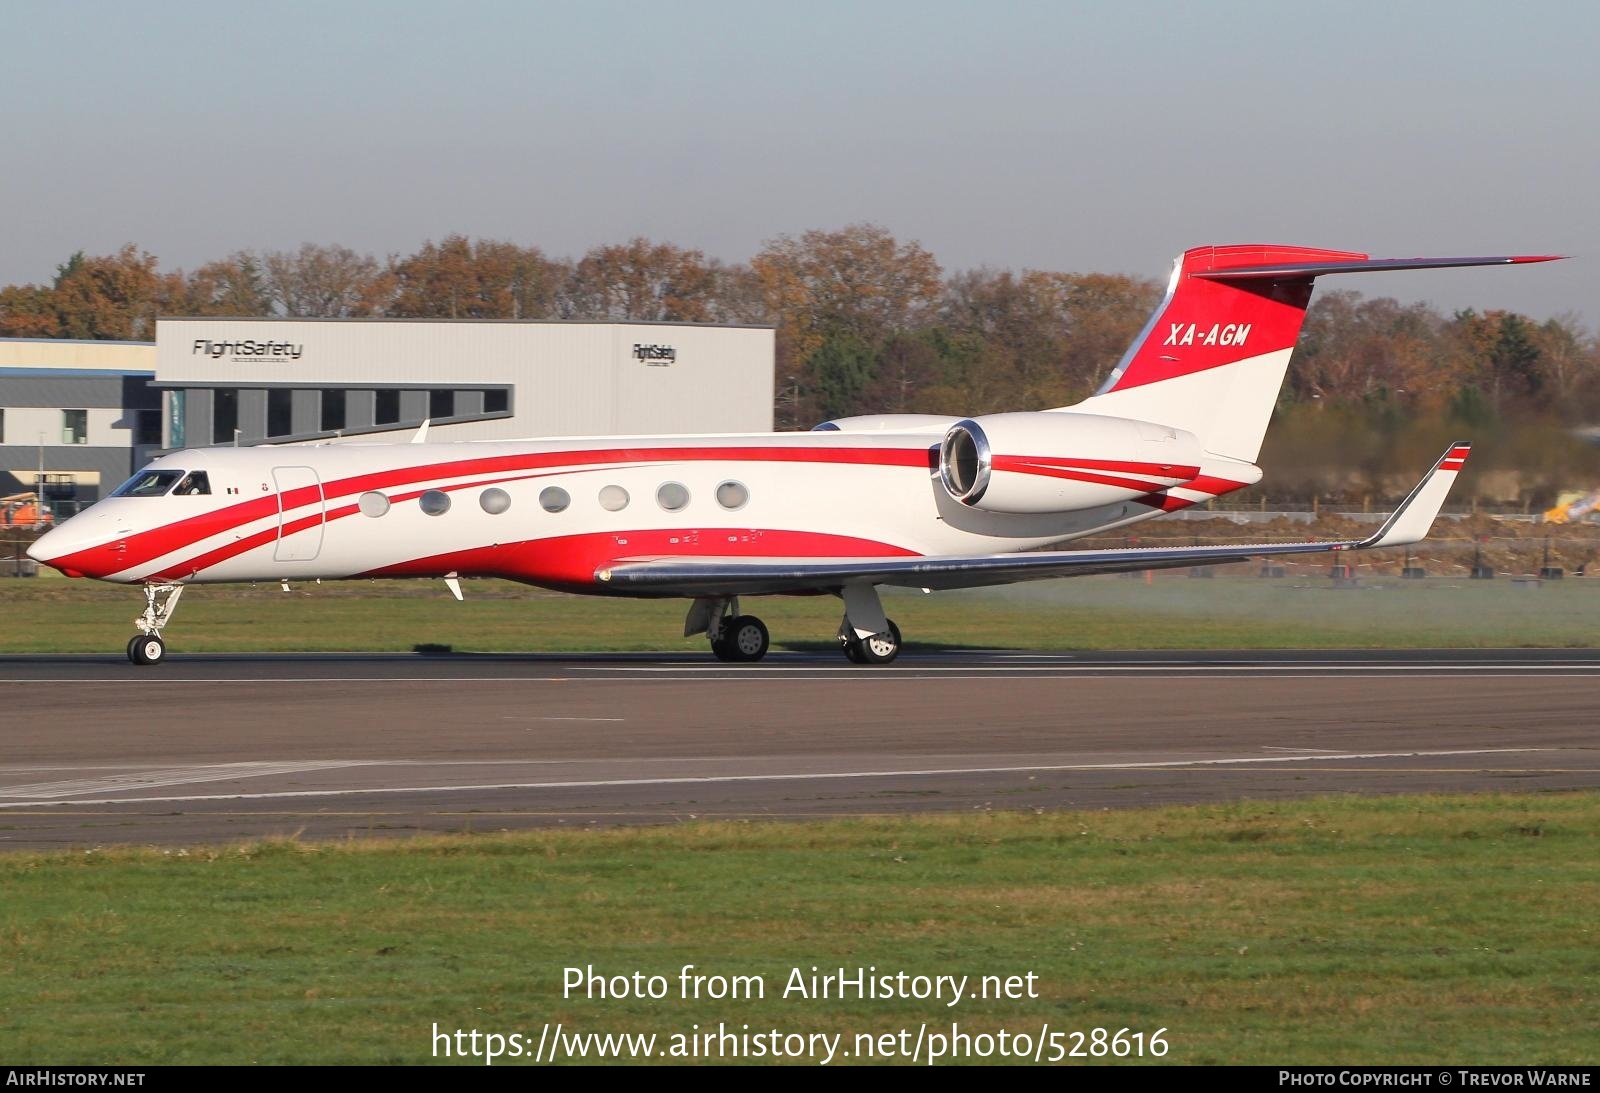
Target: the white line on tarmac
(892, 675)
(175, 776)
(721, 778)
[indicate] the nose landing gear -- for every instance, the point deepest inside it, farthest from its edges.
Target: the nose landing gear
(146, 647)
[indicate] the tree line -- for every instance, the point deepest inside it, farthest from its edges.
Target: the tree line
(868, 323)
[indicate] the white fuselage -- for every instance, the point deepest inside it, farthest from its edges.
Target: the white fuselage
(565, 508)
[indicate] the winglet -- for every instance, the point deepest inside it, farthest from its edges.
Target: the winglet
(1411, 521)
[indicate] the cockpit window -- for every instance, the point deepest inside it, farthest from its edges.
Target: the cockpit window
(195, 482)
(147, 484)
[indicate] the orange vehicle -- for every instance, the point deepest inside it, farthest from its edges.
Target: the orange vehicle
(23, 510)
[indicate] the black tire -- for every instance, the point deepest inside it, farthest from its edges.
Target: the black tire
(148, 650)
(745, 639)
(880, 648)
(133, 657)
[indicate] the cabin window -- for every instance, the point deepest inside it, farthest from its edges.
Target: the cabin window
(732, 495)
(673, 496)
(372, 503)
(148, 484)
(613, 498)
(554, 499)
(194, 483)
(494, 500)
(434, 502)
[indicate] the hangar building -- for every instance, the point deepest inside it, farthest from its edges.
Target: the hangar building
(251, 381)
(80, 414)
(94, 412)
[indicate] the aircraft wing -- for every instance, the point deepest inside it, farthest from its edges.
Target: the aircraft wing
(714, 576)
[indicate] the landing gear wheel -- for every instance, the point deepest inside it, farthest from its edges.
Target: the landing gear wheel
(744, 639)
(878, 649)
(147, 649)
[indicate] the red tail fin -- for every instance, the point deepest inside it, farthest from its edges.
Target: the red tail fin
(1208, 321)
(1212, 358)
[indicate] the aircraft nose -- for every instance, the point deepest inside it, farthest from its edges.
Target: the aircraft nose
(69, 546)
(47, 546)
(52, 546)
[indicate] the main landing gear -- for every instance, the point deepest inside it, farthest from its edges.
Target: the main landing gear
(740, 639)
(146, 647)
(873, 649)
(866, 634)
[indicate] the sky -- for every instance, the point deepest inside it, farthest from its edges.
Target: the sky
(1102, 137)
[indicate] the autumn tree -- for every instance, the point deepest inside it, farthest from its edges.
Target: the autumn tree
(112, 297)
(458, 278)
(28, 311)
(853, 288)
(236, 285)
(641, 281)
(327, 282)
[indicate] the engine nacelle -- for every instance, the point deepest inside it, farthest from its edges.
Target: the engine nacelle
(1059, 462)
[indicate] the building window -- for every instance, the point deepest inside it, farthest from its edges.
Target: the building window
(441, 403)
(74, 426)
(224, 415)
(280, 401)
(2, 425)
(332, 410)
(177, 427)
(147, 427)
(496, 402)
(387, 411)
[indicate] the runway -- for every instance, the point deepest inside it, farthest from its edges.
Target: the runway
(220, 748)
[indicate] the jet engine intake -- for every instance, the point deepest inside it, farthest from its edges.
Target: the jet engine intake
(1052, 461)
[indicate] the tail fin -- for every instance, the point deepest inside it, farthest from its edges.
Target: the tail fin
(1212, 358)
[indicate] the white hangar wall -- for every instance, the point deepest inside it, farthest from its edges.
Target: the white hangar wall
(250, 381)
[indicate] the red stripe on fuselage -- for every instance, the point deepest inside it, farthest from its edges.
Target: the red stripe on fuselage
(146, 546)
(1024, 465)
(569, 562)
(1204, 483)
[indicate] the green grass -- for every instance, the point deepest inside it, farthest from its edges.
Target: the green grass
(1404, 929)
(1174, 611)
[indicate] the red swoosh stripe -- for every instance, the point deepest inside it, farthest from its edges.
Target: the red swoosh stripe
(144, 547)
(570, 561)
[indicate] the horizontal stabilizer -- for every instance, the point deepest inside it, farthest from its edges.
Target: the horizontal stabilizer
(1367, 265)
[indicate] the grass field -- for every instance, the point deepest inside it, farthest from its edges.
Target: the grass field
(1173, 611)
(1403, 929)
